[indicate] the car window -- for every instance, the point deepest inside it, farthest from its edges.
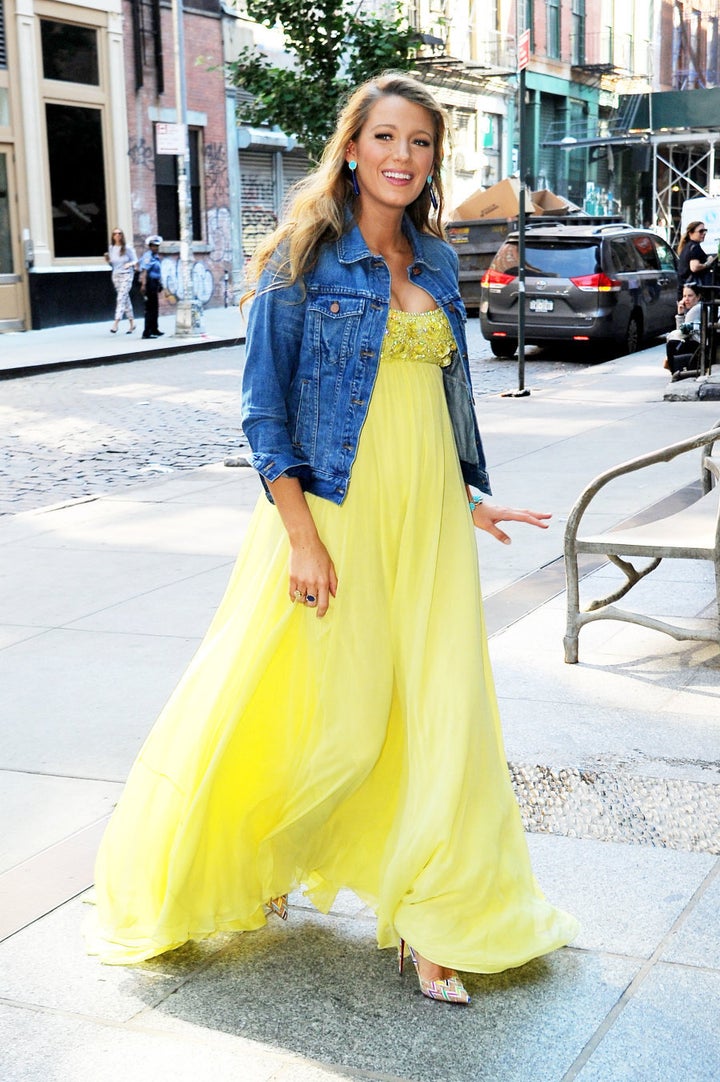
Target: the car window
(550, 258)
(624, 257)
(645, 248)
(506, 258)
(665, 255)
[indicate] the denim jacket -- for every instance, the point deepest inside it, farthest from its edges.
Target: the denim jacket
(312, 356)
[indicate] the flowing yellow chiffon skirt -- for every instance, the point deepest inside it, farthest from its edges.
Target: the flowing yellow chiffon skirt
(362, 750)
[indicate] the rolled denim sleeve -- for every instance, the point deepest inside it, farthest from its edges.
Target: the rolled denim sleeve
(273, 342)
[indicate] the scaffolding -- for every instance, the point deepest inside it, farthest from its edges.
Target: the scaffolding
(680, 131)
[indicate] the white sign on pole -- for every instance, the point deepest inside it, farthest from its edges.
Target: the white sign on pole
(170, 138)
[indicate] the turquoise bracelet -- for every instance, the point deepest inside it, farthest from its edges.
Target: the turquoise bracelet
(474, 502)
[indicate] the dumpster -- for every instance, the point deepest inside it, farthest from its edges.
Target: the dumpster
(476, 242)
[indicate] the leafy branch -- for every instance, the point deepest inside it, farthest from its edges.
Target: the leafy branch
(332, 49)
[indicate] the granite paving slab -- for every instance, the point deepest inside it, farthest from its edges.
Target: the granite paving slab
(91, 701)
(40, 1046)
(696, 941)
(183, 608)
(668, 1030)
(626, 897)
(341, 1001)
(38, 810)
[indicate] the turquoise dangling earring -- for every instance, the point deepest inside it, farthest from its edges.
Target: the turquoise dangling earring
(352, 166)
(433, 197)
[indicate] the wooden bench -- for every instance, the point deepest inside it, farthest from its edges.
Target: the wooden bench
(692, 533)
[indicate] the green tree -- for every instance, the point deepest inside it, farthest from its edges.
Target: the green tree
(333, 47)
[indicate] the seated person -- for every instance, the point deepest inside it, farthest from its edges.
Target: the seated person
(684, 342)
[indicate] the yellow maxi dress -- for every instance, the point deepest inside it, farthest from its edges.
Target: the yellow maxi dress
(362, 750)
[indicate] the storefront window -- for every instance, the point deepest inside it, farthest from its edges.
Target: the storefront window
(69, 52)
(77, 180)
(6, 260)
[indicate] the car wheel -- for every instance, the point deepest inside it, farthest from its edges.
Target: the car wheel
(503, 347)
(633, 334)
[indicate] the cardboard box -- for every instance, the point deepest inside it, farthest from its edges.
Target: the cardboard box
(500, 201)
(546, 202)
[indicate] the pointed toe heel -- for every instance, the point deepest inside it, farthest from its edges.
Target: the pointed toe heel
(448, 990)
(279, 906)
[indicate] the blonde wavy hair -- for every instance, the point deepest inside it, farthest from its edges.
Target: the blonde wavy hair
(317, 213)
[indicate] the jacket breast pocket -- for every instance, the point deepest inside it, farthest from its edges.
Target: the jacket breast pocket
(334, 324)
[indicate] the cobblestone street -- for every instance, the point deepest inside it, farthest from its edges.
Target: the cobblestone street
(87, 431)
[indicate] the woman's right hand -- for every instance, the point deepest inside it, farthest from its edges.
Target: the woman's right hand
(312, 573)
(311, 570)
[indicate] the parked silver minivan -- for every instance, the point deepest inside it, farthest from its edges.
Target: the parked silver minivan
(596, 286)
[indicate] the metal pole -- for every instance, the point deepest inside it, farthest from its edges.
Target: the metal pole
(521, 391)
(188, 313)
(521, 234)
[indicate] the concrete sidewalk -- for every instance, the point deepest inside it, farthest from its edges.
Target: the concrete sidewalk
(79, 344)
(616, 764)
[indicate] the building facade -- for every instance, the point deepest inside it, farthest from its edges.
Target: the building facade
(85, 90)
(620, 114)
(63, 157)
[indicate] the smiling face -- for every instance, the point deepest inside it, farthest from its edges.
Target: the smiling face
(395, 153)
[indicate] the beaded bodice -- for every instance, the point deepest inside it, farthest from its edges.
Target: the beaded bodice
(418, 336)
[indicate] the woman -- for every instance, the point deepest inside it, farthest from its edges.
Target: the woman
(361, 748)
(692, 261)
(683, 343)
(123, 261)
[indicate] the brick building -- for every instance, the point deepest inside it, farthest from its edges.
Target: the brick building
(149, 46)
(83, 89)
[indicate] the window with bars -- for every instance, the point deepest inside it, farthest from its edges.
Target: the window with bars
(553, 29)
(147, 42)
(577, 36)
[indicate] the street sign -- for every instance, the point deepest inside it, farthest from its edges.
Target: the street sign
(170, 138)
(523, 50)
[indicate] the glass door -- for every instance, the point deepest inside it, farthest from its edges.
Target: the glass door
(12, 305)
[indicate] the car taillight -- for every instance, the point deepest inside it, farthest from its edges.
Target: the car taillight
(496, 278)
(600, 282)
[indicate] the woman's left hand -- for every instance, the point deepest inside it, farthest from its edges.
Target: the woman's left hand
(487, 515)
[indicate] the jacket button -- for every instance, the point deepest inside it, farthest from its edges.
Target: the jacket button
(451, 307)
(416, 271)
(335, 307)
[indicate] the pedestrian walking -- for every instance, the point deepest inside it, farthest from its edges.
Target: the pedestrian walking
(692, 260)
(150, 285)
(123, 262)
(338, 726)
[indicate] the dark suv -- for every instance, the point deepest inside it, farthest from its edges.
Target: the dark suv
(594, 285)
